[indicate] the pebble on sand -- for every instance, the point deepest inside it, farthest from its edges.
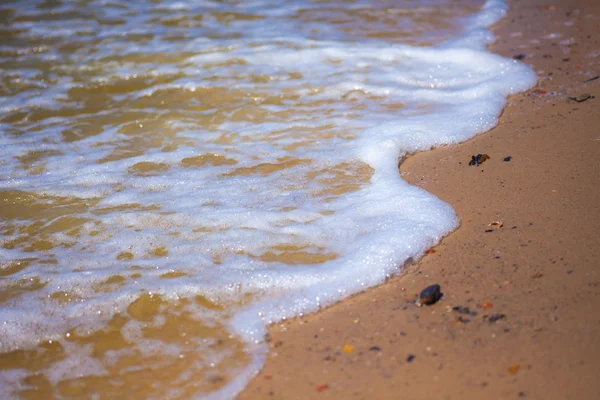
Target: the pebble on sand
(430, 295)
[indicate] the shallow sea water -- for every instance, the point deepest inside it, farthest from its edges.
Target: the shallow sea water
(176, 175)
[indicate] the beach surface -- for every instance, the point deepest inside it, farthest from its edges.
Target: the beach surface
(520, 315)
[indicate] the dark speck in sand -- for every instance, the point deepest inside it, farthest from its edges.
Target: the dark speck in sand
(464, 310)
(496, 317)
(374, 348)
(519, 56)
(410, 358)
(507, 159)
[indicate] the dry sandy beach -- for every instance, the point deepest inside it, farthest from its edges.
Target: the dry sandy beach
(532, 286)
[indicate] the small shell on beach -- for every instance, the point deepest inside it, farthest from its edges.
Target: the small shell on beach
(430, 295)
(496, 224)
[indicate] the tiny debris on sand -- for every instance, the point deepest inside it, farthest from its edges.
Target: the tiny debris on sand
(496, 224)
(479, 159)
(464, 310)
(348, 348)
(581, 98)
(514, 368)
(321, 388)
(496, 317)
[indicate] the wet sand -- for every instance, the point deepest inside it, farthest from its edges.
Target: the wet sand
(532, 287)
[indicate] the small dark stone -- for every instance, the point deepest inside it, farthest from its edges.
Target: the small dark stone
(410, 358)
(522, 394)
(430, 295)
(489, 230)
(519, 56)
(374, 348)
(496, 317)
(507, 159)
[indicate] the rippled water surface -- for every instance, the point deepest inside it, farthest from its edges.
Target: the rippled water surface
(167, 164)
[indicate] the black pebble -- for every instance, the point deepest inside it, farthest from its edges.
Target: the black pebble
(430, 295)
(410, 358)
(507, 159)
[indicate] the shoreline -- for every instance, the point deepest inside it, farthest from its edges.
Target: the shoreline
(532, 287)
